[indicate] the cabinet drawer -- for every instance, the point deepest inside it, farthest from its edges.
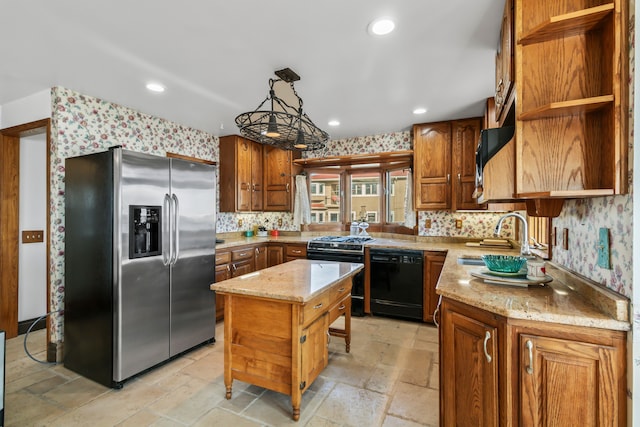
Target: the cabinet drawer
(338, 292)
(316, 307)
(296, 251)
(223, 258)
(240, 254)
(339, 308)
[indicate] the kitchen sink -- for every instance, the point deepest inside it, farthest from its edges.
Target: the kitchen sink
(470, 260)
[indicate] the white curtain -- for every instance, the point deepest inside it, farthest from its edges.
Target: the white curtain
(409, 212)
(301, 206)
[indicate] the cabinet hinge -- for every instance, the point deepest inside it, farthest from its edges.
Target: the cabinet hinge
(303, 339)
(303, 384)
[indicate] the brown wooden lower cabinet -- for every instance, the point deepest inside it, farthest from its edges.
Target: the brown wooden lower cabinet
(260, 257)
(223, 272)
(275, 254)
(433, 263)
(295, 251)
(511, 372)
(468, 366)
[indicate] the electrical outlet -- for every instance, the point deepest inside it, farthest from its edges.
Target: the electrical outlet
(458, 223)
(239, 223)
(565, 239)
(427, 223)
(604, 260)
(279, 222)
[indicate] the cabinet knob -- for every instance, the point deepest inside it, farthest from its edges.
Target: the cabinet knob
(448, 178)
(487, 337)
(287, 187)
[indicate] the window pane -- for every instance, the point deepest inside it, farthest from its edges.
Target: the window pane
(325, 198)
(365, 196)
(397, 180)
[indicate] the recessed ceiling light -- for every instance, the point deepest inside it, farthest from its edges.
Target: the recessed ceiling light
(419, 110)
(334, 123)
(155, 87)
(381, 26)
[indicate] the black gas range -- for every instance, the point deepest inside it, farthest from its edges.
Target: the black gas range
(345, 249)
(348, 246)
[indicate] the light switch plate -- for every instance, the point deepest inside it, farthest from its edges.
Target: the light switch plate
(604, 259)
(458, 223)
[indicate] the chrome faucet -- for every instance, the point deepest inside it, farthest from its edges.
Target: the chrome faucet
(524, 246)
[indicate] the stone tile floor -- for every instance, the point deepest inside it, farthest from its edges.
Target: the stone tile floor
(390, 379)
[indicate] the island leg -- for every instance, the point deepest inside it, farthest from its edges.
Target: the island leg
(228, 376)
(347, 327)
(296, 397)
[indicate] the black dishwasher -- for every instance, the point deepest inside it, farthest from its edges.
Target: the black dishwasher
(396, 283)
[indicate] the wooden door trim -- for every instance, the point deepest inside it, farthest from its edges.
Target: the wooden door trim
(9, 204)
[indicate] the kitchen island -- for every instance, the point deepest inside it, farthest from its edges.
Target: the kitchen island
(276, 327)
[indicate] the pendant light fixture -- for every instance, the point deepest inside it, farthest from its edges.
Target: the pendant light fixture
(283, 125)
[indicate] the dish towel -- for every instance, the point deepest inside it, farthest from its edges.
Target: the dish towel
(409, 212)
(301, 206)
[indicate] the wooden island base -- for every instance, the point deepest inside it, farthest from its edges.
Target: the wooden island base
(282, 344)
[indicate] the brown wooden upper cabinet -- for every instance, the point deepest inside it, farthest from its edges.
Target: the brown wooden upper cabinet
(572, 98)
(254, 177)
(444, 164)
(279, 173)
(505, 65)
(240, 175)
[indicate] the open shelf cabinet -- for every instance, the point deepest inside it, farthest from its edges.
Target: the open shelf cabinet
(571, 113)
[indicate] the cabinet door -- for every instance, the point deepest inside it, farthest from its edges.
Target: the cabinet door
(256, 177)
(314, 350)
(432, 160)
(433, 262)
(242, 267)
(243, 174)
(565, 382)
(223, 272)
(469, 369)
(277, 179)
(466, 134)
(260, 257)
(275, 255)
(504, 62)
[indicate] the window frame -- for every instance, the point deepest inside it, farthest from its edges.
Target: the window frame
(346, 210)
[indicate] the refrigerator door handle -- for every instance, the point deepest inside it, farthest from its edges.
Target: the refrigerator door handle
(166, 230)
(176, 228)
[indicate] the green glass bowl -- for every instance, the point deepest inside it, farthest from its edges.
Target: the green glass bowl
(504, 263)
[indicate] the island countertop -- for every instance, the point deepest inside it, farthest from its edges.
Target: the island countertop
(299, 281)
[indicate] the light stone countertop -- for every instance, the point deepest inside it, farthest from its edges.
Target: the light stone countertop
(568, 299)
(299, 281)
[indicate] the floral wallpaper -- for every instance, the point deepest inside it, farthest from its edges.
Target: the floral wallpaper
(81, 125)
(583, 218)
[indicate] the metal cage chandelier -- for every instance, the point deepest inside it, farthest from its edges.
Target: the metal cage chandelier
(283, 125)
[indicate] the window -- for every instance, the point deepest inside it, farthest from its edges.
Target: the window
(397, 180)
(317, 217)
(365, 199)
(317, 188)
(324, 189)
(374, 193)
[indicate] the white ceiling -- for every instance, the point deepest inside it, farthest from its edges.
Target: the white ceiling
(216, 57)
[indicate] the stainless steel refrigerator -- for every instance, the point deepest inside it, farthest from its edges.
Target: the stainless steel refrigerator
(139, 259)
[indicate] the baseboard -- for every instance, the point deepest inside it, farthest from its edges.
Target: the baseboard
(23, 326)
